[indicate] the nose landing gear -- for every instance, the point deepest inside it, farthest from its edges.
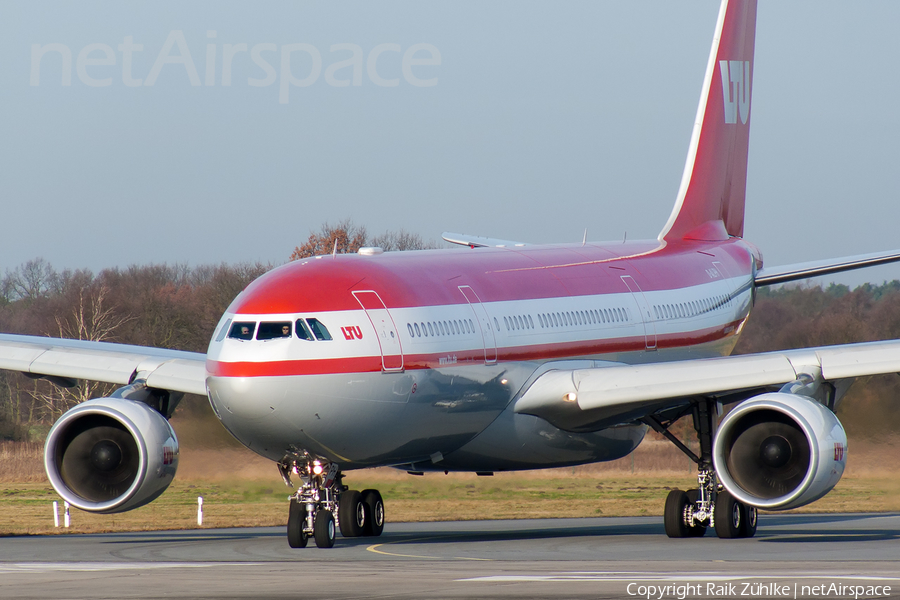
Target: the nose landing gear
(322, 504)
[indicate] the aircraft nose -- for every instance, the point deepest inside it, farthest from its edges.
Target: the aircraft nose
(240, 398)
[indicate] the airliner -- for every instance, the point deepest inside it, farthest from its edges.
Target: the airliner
(494, 357)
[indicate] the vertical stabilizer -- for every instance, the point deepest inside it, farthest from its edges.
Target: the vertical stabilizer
(710, 203)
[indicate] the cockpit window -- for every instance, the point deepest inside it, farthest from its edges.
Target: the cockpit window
(302, 330)
(242, 330)
(223, 331)
(318, 329)
(272, 331)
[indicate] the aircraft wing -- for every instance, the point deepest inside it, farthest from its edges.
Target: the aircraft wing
(62, 361)
(475, 241)
(582, 399)
(775, 275)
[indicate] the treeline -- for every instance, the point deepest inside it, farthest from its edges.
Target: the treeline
(167, 306)
(801, 316)
(176, 306)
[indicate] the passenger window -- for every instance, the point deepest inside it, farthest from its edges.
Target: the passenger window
(411, 332)
(471, 325)
(242, 330)
(273, 331)
(319, 330)
(456, 326)
(223, 331)
(530, 322)
(416, 326)
(506, 322)
(430, 329)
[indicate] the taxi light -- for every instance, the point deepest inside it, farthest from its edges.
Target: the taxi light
(317, 469)
(570, 397)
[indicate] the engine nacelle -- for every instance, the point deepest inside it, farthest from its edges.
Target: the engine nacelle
(779, 451)
(110, 455)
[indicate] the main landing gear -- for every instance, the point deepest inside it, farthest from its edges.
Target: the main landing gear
(690, 513)
(322, 504)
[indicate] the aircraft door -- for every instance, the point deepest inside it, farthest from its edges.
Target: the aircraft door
(484, 322)
(388, 337)
(644, 310)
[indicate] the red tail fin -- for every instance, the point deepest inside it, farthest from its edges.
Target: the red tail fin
(710, 203)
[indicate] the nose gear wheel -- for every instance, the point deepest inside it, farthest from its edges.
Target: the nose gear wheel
(322, 505)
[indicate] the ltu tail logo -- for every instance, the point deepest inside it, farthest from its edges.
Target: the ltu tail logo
(736, 89)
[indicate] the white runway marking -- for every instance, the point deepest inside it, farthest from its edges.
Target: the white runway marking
(39, 567)
(671, 576)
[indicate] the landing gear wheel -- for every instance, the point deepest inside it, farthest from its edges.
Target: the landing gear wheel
(673, 517)
(750, 521)
(695, 530)
(324, 529)
(729, 516)
(375, 505)
(297, 538)
(353, 514)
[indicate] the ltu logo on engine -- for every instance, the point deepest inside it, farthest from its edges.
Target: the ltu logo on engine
(839, 450)
(735, 89)
(168, 455)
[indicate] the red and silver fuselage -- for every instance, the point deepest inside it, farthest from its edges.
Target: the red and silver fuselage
(429, 349)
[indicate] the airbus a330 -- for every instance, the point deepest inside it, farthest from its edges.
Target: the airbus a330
(496, 357)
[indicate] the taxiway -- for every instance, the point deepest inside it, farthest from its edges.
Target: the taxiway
(560, 558)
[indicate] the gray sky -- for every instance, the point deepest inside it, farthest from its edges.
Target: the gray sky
(543, 119)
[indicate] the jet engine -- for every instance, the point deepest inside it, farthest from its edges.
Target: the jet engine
(110, 455)
(779, 451)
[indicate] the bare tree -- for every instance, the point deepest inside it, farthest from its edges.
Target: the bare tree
(343, 238)
(34, 279)
(401, 240)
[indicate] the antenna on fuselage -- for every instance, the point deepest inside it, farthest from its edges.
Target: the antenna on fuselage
(334, 251)
(584, 239)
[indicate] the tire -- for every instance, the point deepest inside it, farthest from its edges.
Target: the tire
(375, 505)
(353, 514)
(729, 516)
(297, 538)
(324, 530)
(695, 530)
(673, 517)
(750, 521)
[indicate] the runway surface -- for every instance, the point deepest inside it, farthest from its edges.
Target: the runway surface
(560, 558)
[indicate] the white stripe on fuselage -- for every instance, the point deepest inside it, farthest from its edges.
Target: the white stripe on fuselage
(681, 311)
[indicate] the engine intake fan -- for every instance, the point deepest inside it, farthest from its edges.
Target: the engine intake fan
(779, 451)
(111, 455)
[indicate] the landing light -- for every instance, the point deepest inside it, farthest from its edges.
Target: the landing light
(570, 397)
(317, 469)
